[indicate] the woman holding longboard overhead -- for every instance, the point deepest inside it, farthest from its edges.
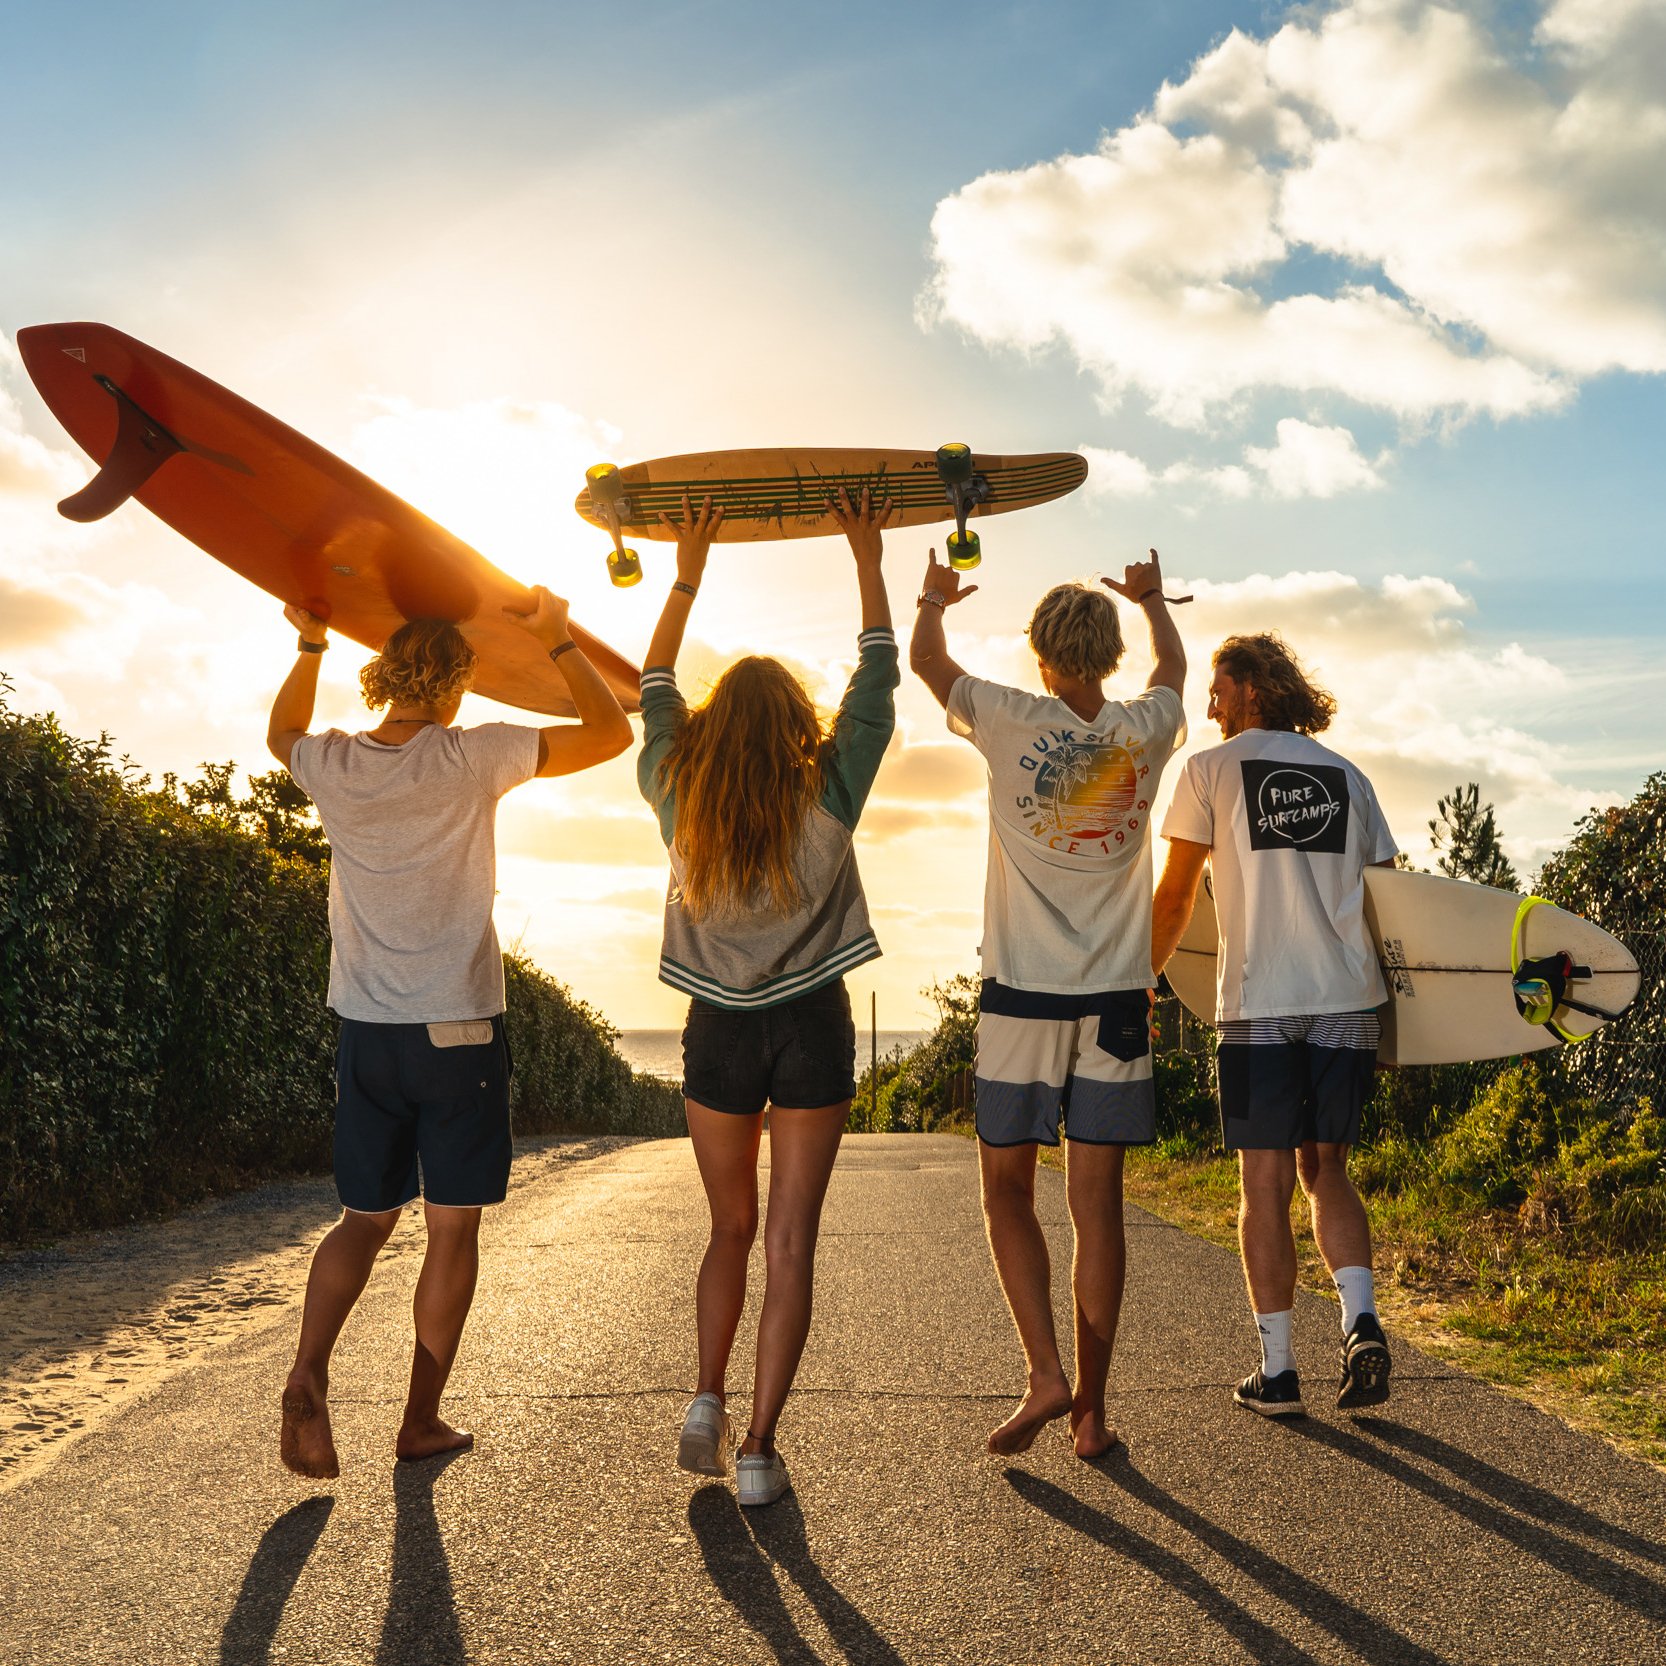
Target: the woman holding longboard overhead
(758, 803)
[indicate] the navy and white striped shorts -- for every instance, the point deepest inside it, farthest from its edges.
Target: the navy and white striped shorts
(1284, 1081)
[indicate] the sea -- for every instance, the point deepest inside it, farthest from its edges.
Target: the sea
(660, 1052)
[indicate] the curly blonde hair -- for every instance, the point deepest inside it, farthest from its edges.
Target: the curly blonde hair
(427, 662)
(1286, 697)
(1075, 629)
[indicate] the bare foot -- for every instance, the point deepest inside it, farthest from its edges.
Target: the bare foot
(305, 1443)
(1046, 1400)
(428, 1438)
(1092, 1435)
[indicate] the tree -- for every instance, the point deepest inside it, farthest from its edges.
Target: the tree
(1465, 833)
(276, 811)
(1613, 871)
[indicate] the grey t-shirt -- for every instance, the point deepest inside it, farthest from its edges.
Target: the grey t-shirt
(413, 866)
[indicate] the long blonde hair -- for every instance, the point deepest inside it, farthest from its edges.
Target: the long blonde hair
(746, 771)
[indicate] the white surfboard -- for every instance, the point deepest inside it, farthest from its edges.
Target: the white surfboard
(1444, 947)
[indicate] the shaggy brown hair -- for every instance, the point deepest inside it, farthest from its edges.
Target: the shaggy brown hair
(746, 769)
(1075, 630)
(427, 662)
(1285, 697)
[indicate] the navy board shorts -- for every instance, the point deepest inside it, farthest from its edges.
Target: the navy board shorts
(1080, 1060)
(799, 1055)
(1285, 1081)
(422, 1110)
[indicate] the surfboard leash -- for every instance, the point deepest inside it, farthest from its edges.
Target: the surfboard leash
(1540, 985)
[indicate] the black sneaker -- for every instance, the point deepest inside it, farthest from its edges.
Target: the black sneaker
(1279, 1396)
(1365, 1365)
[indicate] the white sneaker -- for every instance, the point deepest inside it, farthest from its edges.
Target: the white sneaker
(760, 1479)
(707, 1437)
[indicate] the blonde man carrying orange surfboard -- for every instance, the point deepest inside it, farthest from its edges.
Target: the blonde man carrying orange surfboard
(416, 977)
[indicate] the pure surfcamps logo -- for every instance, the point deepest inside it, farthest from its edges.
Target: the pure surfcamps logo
(1296, 806)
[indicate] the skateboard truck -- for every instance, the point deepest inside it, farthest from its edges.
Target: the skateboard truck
(609, 504)
(141, 447)
(965, 490)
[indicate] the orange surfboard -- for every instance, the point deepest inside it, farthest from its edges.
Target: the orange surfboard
(285, 513)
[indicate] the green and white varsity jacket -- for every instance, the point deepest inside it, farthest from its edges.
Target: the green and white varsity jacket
(753, 956)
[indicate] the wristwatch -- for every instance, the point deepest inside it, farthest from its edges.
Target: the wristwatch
(935, 597)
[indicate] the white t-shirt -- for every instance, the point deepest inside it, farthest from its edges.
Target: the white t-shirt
(413, 866)
(1067, 901)
(1290, 827)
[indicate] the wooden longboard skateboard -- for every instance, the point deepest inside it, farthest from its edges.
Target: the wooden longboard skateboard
(285, 513)
(783, 493)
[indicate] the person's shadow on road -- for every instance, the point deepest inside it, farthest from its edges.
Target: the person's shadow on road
(1511, 1490)
(1259, 1640)
(1555, 1549)
(246, 1639)
(730, 1542)
(421, 1628)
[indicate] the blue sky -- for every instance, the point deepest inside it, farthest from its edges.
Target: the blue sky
(475, 251)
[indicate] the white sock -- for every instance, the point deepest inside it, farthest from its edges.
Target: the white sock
(1275, 1342)
(1353, 1285)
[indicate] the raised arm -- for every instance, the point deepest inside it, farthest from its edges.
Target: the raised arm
(292, 709)
(928, 648)
(864, 526)
(694, 542)
(602, 731)
(1142, 584)
(1171, 907)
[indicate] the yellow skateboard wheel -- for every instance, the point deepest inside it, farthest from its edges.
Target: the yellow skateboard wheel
(624, 568)
(605, 484)
(954, 463)
(965, 552)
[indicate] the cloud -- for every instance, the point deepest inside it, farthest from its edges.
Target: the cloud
(33, 474)
(592, 837)
(1307, 460)
(1381, 202)
(30, 616)
(1422, 705)
(883, 820)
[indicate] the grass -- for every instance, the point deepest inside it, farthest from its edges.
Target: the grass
(1517, 1295)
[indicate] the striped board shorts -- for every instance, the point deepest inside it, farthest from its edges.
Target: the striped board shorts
(1083, 1060)
(1285, 1081)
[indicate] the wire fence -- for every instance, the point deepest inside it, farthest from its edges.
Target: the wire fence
(1620, 1065)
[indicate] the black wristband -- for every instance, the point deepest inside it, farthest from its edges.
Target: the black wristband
(304, 647)
(561, 647)
(686, 588)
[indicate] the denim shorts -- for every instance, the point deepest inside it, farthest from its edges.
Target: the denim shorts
(799, 1055)
(406, 1108)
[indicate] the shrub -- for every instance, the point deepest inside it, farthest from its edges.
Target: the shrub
(568, 1078)
(163, 972)
(930, 1087)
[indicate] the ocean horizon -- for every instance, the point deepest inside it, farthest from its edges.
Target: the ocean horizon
(660, 1052)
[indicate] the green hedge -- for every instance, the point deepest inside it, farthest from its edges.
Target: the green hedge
(163, 969)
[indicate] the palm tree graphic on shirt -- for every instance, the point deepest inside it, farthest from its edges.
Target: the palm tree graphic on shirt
(1085, 789)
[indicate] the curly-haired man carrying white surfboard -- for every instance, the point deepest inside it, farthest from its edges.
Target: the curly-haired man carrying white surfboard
(1287, 828)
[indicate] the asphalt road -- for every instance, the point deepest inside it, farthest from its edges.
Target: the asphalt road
(1458, 1526)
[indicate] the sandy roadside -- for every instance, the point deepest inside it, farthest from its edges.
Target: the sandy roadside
(102, 1318)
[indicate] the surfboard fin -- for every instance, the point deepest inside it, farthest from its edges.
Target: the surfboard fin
(142, 446)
